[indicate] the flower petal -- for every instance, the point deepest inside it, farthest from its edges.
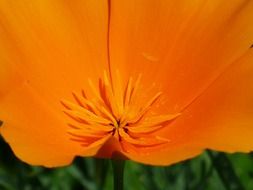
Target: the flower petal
(164, 156)
(220, 119)
(48, 49)
(37, 134)
(181, 46)
(55, 45)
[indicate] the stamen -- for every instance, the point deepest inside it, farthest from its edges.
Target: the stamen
(135, 89)
(114, 112)
(119, 93)
(128, 92)
(144, 110)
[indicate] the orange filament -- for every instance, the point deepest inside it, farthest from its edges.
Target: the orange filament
(114, 111)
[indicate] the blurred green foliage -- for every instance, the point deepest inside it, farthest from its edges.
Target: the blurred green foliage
(209, 171)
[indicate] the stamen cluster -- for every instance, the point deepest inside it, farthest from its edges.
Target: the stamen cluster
(115, 112)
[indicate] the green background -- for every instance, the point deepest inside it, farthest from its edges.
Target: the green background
(209, 171)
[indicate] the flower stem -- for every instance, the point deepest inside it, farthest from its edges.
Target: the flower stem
(118, 174)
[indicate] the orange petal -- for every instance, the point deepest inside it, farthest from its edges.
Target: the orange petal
(164, 156)
(222, 117)
(34, 131)
(181, 46)
(48, 49)
(55, 45)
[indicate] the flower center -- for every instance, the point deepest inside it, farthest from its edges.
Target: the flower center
(116, 111)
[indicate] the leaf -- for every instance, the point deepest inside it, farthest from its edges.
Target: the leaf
(225, 171)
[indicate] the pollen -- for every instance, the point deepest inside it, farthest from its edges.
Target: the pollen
(116, 111)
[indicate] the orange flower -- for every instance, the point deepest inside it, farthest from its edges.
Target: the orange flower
(152, 81)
